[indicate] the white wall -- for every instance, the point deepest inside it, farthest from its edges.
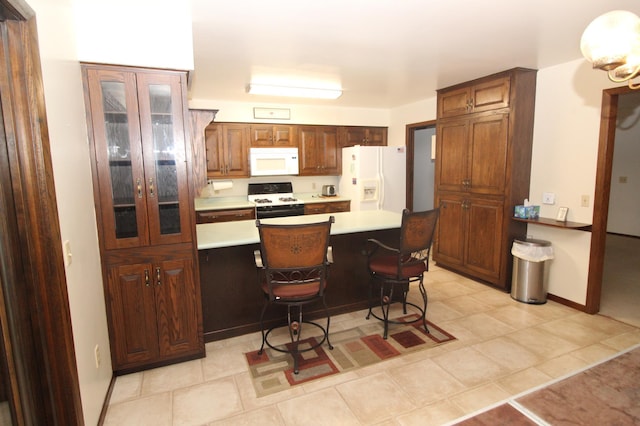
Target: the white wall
(565, 149)
(149, 33)
(624, 202)
(72, 174)
(242, 112)
(416, 112)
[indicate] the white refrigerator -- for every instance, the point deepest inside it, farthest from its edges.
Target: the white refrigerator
(374, 177)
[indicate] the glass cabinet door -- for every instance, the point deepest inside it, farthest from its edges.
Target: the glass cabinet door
(116, 131)
(139, 141)
(162, 131)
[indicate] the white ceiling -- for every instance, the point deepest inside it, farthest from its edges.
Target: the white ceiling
(384, 53)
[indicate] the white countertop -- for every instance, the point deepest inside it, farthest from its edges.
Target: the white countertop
(227, 203)
(228, 234)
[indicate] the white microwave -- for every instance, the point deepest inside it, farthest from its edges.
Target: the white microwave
(273, 161)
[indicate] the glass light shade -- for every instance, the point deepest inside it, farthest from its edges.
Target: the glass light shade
(610, 38)
(299, 92)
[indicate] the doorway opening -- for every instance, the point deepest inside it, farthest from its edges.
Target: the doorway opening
(420, 139)
(612, 287)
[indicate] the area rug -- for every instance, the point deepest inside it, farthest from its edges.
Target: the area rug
(272, 371)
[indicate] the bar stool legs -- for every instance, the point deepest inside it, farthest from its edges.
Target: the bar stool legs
(385, 300)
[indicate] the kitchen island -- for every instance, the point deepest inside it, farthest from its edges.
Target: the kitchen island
(231, 297)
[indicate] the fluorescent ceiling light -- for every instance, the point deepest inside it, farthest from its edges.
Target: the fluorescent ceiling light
(298, 92)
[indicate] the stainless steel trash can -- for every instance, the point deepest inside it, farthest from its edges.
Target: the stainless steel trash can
(529, 278)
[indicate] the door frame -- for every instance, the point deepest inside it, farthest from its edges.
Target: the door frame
(36, 331)
(608, 117)
(411, 144)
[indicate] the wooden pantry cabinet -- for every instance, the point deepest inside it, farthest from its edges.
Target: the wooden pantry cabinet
(143, 194)
(484, 134)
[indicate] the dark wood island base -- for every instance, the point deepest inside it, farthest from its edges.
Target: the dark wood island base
(232, 300)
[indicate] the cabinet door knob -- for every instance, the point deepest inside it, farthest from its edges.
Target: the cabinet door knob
(139, 188)
(151, 188)
(158, 276)
(146, 277)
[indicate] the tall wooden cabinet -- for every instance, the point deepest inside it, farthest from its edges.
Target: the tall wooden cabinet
(484, 136)
(144, 197)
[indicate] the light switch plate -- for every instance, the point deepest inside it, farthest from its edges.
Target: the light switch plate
(548, 198)
(66, 251)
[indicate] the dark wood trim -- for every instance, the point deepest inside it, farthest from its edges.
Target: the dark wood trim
(40, 334)
(411, 146)
(567, 302)
(608, 117)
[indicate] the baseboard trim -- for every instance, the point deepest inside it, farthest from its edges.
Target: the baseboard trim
(567, 302)
(107, 398)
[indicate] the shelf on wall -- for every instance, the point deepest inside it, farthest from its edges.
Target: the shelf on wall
(544, 221)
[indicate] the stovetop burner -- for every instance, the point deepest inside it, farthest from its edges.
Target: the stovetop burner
(288, 199)
(262, 200)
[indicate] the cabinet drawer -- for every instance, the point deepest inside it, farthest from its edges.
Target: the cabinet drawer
(329, 207)
(214, 216)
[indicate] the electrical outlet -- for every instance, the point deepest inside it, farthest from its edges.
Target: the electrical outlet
(584, 201)
(548, 198)
(96, 354)
(622, 179)
(313, 185)
(210, 182)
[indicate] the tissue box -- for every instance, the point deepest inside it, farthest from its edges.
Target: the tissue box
(533, 212)
(527, 212)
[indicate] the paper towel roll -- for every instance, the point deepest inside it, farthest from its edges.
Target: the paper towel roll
(223, 184)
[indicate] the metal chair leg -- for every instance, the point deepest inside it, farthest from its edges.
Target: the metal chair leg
(326, 310)
(264, 336)
(423, 292)
(385, 305)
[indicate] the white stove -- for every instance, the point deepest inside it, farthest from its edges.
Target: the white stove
(274, 200)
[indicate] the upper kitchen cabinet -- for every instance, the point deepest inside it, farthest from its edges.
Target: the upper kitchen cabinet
(366, 136)
(227, 146)
(484, 135)
(267, 135)
(319, 153)
(140, 172)
(483, 96)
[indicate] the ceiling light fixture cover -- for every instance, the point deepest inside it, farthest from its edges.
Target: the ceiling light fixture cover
(298, 92)
(611, 42)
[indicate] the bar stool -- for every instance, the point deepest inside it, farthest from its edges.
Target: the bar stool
(293, 263)
(392, 270)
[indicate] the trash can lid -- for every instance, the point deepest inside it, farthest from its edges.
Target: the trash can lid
(532, 242)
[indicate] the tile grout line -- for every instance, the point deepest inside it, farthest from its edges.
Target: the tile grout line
(513, 399)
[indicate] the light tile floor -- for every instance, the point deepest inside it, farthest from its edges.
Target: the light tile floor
(503, 348)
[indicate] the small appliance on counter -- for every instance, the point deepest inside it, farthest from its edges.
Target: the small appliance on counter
(329, 191)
